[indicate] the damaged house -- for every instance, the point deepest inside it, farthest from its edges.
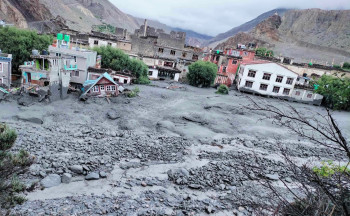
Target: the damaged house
(101, 87)
(47, 75)
(120, 77)
(5, 70)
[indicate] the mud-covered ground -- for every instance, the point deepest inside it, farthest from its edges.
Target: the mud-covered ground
(170, 151)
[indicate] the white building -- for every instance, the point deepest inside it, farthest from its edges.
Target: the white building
(266, 78)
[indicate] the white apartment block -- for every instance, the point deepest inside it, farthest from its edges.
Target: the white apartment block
(266, 78)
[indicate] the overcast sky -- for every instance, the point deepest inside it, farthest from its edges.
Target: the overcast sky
(215, 16)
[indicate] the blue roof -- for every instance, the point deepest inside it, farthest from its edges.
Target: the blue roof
(94, 82)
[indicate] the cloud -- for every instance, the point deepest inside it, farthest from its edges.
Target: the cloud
(214, 16)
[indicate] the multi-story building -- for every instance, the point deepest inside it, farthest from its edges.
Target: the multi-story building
(47, 75)
(266, 78)
(83, 59)
(5, 70)
(304, 92)
(228, 62)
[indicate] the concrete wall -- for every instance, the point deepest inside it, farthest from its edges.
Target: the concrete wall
(153, 73)
(5, 72)
(272, 68)
(101, 42)
(143, 46)
(307, 96)
(309, 71)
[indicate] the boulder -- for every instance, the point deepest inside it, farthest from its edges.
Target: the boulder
(113, 115)
(76, 169)
(103, 174)
(92, 176)
(273, 177)
(51, 180)
(66, 178)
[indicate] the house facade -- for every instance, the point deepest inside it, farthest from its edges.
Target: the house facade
(48, 75)
(101, 87)
(120, 77)
(83, 59)
(5, 70)
(266, 78)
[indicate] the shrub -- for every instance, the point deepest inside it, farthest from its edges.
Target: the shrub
(223, 89)
(143, 80)
(134, 93)
(346, 65)
(202, 73)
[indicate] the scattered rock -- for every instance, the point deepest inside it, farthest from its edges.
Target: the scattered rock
(113, 115)
(144, 184)
(92, 176)
(66, 178)
(273, 177)
(103, 174)
(195, 186)
(51, 180)
(77, 169)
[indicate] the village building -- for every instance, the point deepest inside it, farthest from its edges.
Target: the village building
(83, 59)
(104, 86)
(228, 63)
(165, 54)
(47, 75)
(304, 91)
(266, 78)
(120, 77)
(5, 70)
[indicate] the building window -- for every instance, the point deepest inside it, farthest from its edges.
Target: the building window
(116, 79)
(263, 87)
(75, 59)
(125, 81)
(58, 54)
(248, 84)
(286, 91)
(309, 95)
(75, 74)
(267, 76)
(276, 89)
(224, 69)
(297, 93)
(113, 88)
(95, 89)
(1, 67)
(109, 44)
(95, 42)
(150, 73)
(234, 62)
(290, 81)
(102, 87)
(184, 54)
(161, 50)
(279, 79)
(195, 57)
(172, 52)
(251, 73)
(108, 88)
(245, 53)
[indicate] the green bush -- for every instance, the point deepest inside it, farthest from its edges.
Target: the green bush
(135, 92)
(346, 65)
(223, 89)
(143, 80)
(10, 166)
(202, 74)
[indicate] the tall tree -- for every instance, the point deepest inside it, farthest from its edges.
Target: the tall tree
(202, 73)
(20, 43)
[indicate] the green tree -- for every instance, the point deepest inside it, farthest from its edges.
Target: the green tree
(20, 43)
(346, 65)
(336, 92)
(269, 53)
(10, 166)
(117, 60)
(261, 51)
(202, 73)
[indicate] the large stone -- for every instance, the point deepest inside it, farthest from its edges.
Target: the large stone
(76, 169)
(92, 176)
(273, 177)
(66, 178)
(113, 115)
(51, 180)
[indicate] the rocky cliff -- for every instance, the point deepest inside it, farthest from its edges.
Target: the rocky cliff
(306, 35)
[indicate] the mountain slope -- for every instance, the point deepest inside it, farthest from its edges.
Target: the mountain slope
(305, 35)
(246, 27)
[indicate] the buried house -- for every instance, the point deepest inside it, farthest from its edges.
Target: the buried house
(101, 87)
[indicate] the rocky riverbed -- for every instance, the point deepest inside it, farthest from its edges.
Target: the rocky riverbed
(174, 150)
